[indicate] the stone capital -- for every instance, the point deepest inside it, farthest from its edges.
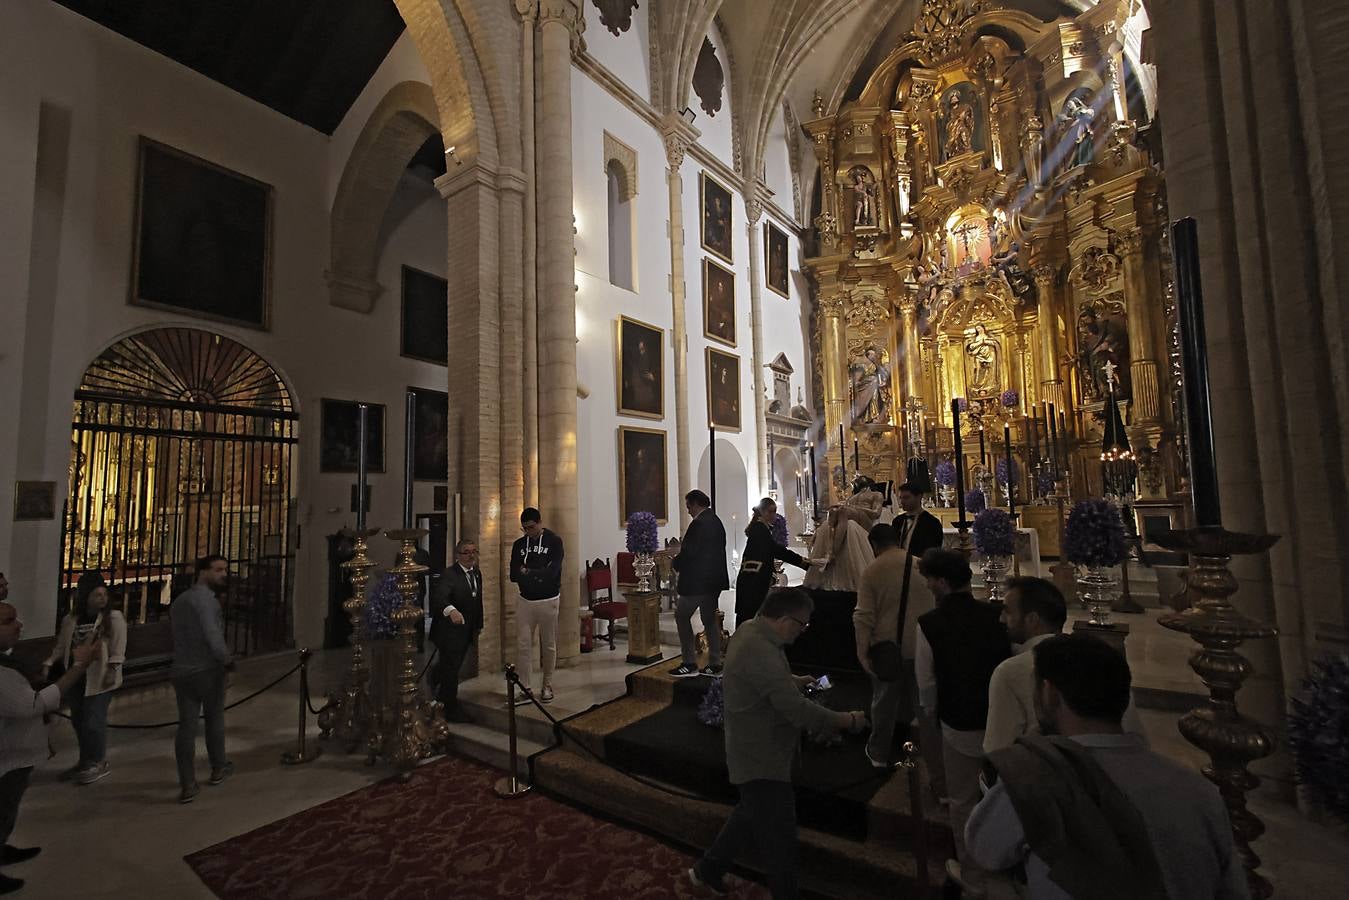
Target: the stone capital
(678, 136)
(1131, 241)
(463, 177)
(1045, 275)
(350, 291)
(566, 13)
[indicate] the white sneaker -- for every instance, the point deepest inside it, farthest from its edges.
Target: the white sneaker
(546, 695)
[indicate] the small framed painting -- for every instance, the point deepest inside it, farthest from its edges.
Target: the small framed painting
(716, 216)
(431, 440)
(718, 303)
(775, 258)
(641, 376)
(723, 390)
(642, 475)
(34, 501)
(425, 328)
(202, 238)
(340, 442)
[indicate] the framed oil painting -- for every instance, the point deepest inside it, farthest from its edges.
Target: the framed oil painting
(425, 328)
(775, 258)
(341, 427)
(202, 238)
(642, 475)
(716, 216)
(641, 375)
(431, 440)
(723, 390)
(34, 501)
(718, 303)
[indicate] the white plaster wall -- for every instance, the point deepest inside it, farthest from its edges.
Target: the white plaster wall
(716, 130)
(627, 54)
(113, 91)
(777, 164)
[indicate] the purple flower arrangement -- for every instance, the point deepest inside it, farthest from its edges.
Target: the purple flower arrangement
(379, 608)
(712, 709)
(1001, 470)
(962, 404)
(1094, 535)
(1316, 730)
(642, 533)
(1044, 481)
(974, 501)
(946, 473)
(1010, 398)
(994, 534)
(779, 530)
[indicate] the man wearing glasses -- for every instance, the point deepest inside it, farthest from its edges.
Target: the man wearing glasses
(536, 568)
(456, 619)
(765, 714)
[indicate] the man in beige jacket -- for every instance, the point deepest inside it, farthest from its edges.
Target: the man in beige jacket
(880, 599)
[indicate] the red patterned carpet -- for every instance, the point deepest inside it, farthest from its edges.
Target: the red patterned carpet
(443, 833)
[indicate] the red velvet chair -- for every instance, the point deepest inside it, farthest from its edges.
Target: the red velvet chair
(600, 596)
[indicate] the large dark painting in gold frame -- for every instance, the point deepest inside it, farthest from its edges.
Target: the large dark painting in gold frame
(718, 303)
(202, 238)
(775, 259)
(642, 473)
(715, 217)
(641, 369)
(723, 390)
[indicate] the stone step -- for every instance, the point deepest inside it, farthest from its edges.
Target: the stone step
(490, 746)
(489, 713)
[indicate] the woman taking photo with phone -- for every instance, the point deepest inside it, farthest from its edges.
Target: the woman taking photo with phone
(90, 621)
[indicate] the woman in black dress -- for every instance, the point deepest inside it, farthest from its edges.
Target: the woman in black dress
(756, 567)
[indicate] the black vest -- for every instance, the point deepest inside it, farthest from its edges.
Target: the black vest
(967, 643)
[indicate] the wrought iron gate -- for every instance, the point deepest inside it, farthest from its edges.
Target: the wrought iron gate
(182, 446)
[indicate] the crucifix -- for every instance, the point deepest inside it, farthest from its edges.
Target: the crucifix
(965, 233)
(1109, 368)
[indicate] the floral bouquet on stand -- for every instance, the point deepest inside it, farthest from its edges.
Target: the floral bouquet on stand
(1094, 539)
(995, 540)
(945, 476)
(1010, 399)
(1316, 730)
(642, 542)
(379, 609)
(975, 502)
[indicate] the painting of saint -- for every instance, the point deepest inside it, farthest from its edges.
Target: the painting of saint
(431, 438)
(202, 238)
(723, 390)
(1102, 340)
(775, 252)
(341, 425)
(642, 475)
(718, 303)
(716, 217)
(641, 378)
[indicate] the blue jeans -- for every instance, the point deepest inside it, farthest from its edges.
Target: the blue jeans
(89, 718)
(199, 693)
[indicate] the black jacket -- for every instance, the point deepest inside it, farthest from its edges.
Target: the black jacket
(760, 547)
(452, 589)
(536, 566)
(701, 561)
(968, 641)
(927, 532)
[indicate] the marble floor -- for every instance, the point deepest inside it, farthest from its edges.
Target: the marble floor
(127, 835)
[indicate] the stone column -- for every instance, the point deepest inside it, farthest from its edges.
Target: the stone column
(474, 371)
(1051, 382)
(511, 378)
(560, 24)
(913, 357)
(753, 212)
(677, 136)
(528, 10)
(1143, 366)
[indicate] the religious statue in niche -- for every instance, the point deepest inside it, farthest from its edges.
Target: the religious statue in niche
(983, 350)
(869, 377)
(959, 125)
(1103, 348)
(1075, 124)
(708, 79)
(973, 250)
(1032, 149)
(924, 177)
(616, 15)
(864, 197)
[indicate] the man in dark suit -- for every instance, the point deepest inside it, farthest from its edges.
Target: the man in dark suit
(701, 564)
(919, 530)
(456, 619)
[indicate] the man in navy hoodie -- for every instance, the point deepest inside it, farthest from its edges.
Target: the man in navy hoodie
(536, 569)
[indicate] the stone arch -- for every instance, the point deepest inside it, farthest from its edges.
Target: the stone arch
(625, 158)
(400, 124)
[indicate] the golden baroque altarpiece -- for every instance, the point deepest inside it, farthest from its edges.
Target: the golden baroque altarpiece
(990, 229)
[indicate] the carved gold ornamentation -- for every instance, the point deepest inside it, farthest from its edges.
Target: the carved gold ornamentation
(864, 316)
(942, 23)
(348, 715)
(1098, 269)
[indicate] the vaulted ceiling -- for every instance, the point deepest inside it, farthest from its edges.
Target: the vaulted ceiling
(306, 59)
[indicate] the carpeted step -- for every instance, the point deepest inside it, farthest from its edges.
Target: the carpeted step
(830, 865)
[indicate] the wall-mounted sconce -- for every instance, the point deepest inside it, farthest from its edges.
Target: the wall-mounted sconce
(450, 154)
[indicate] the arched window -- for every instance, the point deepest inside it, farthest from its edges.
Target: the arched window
(620, 228)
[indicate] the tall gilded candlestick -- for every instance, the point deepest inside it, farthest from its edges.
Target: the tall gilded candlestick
(348, 715)
(412, 728)
(1231, 740)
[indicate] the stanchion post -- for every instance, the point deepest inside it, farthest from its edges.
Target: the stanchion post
(511, 786)
(910, 766)
(303, 753)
